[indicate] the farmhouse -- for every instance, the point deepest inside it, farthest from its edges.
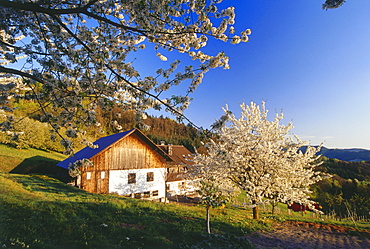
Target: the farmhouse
(175, 183)
(130, 164)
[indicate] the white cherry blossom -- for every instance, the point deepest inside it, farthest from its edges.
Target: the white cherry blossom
(81, 52)
(262, 158)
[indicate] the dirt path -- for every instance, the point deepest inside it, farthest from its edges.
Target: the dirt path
(293, 235)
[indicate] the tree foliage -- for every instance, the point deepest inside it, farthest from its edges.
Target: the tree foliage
(261, 158)
(332, 4)
(81, 53)
(214, 188)
(343, 197)
(158, 129)
(28, 130)
(348, 192)
(30, 133)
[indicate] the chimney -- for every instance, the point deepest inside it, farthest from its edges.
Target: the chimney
(163, 143)
(170, 149)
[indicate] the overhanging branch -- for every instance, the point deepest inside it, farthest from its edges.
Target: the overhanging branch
(29, 6)
(21, 73)
(57, 19)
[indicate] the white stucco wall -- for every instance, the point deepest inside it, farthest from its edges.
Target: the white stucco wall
(176, 187)
(118, 181)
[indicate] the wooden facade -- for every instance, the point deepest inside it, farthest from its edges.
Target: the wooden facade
(122, 153)
(128, 153)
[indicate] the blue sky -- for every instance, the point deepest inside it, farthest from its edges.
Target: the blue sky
(312, 64)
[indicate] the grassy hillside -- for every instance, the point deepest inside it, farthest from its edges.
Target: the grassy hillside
(39, 211)
(42, 212)
(26, 160)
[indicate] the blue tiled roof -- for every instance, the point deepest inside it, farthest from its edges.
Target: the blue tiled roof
(89, 152)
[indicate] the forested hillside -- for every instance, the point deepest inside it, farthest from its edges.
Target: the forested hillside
(156, 128)
(347, 193)
(347, 170)
(29, 130)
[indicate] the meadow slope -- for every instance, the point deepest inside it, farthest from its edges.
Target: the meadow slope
(39, 211)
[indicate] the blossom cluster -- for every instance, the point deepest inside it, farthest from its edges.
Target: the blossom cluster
(77, 55)
(75, 168)
(210, 176)
(261, 157)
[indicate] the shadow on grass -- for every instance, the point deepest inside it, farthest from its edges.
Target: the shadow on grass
(42, 165)
(48, 184)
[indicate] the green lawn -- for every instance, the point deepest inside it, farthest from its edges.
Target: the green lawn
(42, 212)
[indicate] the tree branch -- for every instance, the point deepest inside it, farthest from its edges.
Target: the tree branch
(54, 13)
(25, 50)
(37, 8)
(30, 76)
(21, 73)
(119, 76)
(79, 10)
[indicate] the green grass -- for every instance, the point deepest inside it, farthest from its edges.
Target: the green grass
(41, 212)
(38, 211)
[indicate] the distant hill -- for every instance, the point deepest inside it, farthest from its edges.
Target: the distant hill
(346, 163)
(346, 170)
(349, 155)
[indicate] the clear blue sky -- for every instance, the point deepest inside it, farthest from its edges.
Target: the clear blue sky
(312, 64)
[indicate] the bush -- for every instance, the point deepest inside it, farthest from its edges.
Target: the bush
(29, 133)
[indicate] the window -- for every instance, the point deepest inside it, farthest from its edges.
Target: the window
(150, 176)
(88, 175)
(137, 195)
(132, 178)
(146, 194)
(155, 193)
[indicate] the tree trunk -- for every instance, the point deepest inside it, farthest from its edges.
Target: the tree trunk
(207, 220)
(273, 209)
(255, 213)
(165, 192)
